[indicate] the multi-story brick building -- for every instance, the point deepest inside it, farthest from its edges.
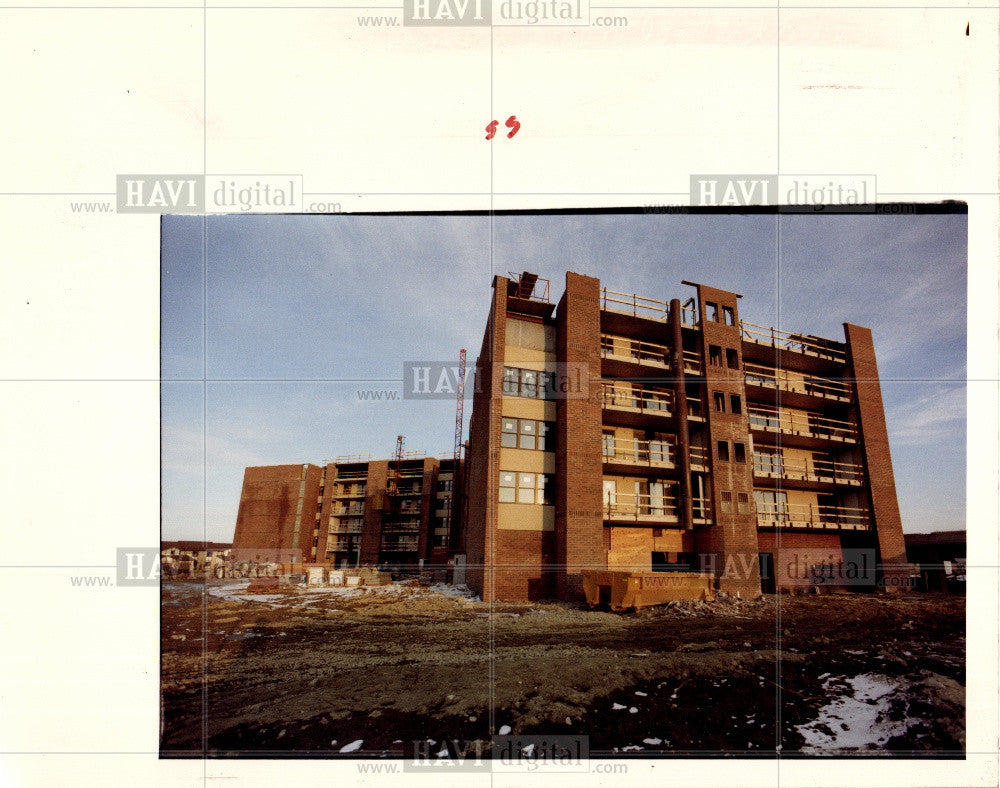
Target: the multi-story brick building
(625, 432)
(354, 510)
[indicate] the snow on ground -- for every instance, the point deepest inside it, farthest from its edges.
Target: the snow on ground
(304, 594)
(855, 721)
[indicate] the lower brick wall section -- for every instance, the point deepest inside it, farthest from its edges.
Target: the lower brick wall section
(797, 553)
(525, 565)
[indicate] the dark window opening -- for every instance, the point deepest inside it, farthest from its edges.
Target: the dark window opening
(723, 450)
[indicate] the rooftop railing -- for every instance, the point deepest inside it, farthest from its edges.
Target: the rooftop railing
(634, 305)
(785, 340)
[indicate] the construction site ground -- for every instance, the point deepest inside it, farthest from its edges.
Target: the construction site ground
(368, 672)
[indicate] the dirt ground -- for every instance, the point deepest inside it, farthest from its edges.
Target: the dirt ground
(309, 672)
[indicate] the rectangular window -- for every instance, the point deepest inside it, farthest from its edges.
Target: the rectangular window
(712, 310)
(739, 452)
(742, 503)
(526, 488)
(715, 355)
(529, 383)
(767, 461)
(726, 501)
(734, 404)
(546, 436)
(723, 450)
(528, 430)
(546, 489)
(607, 346)
(720, 401)
(608, 443)
(732, 358)
(511, 381)
(508, 433)
(730, 315)
(508, 482)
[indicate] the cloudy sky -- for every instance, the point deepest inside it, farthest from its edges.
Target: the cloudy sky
(266, 346)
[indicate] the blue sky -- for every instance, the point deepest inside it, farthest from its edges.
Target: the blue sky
(265, 348)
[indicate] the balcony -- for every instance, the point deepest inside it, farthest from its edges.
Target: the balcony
(701, 510)
(349, 491)
(345, 529)
(692, 362)
(699, 457)
(695, 408)
(634, 305)
(640, 508)
(801, 469)
(806, 516)
(632, 351)
(801, 424)
(768, 377)
(632, 399)
(796, 343)
(638, 453)
(353, 509)
(399, 545)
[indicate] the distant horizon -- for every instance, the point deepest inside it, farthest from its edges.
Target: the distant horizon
(267, 350)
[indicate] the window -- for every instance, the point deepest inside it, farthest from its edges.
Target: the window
(533, 488)
(528, 383)
(742, 503)
(608, 443)
(732, 358)
(715, 355)
(726, 501)
(730, 315)
(739, 452)
(444, 485)
(527, 434)
(712, 310)
(767, 461)
(765, 420)
(508, 488)
(772, 505)
(723, 451)
(734, 404)
(607, 346)
(659, 448)
(720, 401)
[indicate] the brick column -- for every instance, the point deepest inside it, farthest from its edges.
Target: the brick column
(371, 527)
(878, 462)
(428, 482)
(579, 526)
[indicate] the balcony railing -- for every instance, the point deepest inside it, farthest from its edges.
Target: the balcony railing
(757, 375)
(807, 515)
(777, 467)
(652, 453)
(785, 340)
(701, 509)
(635, 305)
(399, 545)
(349, 491)
(340, 511)
(348, 476)
(619, 397)
(634, 351)
(692, 361)
(345, 529)
(699, 455)
(790, 422)
(689, 313)
(640, 507)
(695, 409)
(340, 544)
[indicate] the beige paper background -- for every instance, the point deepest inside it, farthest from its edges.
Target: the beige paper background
(391, 119)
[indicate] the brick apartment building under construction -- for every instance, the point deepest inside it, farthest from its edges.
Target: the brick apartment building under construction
(354, 511)
(617, 431)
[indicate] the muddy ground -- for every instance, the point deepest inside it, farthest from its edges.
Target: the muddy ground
(309, 673)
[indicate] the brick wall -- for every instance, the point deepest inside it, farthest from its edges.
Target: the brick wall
(265, 521)
(526, 561)
(579, 534)
(877, 459)
(371, 527)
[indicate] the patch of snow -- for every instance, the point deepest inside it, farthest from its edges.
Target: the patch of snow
(353, 746)
(633, 710)
(617, 707)
(855, 721)
(528, 750)
(504, 730)
(634, 747)
(642, 694)
(652, 742)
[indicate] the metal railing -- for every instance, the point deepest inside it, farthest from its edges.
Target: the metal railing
(621, 397)
(785, 340)
(689, 314)
(635, 451)
(701, 509)
(348, 510)
(791, 422)
(805, 469)
(757, 375)
(399, 545)
(635, 305)
(350, 476)
(635, 351)
(692, 361)
(640, 507)
(346, 529)
(694, 405)
(699, 455)
(347, 458)
(349, 491)
(808, 515)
